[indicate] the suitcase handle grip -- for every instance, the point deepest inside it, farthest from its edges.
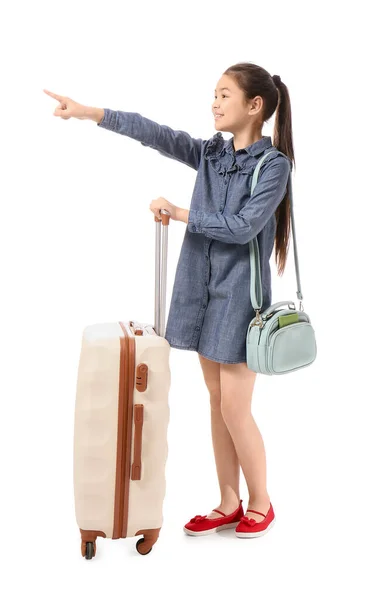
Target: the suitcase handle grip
(165, 216)
(161, 270)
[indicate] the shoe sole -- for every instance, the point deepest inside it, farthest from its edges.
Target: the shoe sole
(213, 530)
(243, 534)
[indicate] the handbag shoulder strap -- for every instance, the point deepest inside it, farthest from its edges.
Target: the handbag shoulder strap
(255, 267)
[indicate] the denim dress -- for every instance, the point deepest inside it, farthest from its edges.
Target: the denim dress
(210, 308)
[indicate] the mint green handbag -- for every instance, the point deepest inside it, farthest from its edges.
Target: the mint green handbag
(280, 340)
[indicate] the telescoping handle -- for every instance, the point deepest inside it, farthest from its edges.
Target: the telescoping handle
(161, 270)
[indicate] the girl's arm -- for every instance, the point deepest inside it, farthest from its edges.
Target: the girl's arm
(244, 226)
(175, 144)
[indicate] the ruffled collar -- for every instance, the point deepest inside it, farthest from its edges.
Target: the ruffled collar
(217, 145)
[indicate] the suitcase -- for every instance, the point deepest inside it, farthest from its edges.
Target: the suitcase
(121, 421)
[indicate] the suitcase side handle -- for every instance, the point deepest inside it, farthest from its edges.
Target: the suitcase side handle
(161, 254)
(137, 444)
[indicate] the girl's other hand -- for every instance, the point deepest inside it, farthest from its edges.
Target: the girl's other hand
(156, 205)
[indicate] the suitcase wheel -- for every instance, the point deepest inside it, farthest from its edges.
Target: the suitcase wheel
(90, 550)
(138, 544)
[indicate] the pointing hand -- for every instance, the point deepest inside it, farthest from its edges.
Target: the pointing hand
(67, 108)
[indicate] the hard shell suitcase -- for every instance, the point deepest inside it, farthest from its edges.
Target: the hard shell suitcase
(121, 422)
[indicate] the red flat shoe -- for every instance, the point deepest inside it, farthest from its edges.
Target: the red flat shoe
(202, 525)
(251, 528)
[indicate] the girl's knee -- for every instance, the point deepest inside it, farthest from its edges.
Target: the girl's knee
(230, 408)
(216, 401)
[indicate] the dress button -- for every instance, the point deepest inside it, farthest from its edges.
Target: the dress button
(197, 328)
(204, 305)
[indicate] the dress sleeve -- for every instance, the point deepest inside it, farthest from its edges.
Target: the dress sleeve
(175, 144)
(244, 226)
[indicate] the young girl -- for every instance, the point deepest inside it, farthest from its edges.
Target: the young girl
(210, 306)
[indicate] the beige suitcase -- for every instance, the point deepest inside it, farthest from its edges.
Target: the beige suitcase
(121, 421)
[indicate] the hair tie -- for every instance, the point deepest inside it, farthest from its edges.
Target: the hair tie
(276, 80)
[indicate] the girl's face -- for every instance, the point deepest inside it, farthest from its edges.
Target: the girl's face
(231, 104)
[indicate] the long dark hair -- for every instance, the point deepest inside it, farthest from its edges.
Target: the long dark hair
(256, 81)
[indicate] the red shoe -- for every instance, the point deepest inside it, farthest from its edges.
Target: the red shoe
(251, 528)
(201, 525)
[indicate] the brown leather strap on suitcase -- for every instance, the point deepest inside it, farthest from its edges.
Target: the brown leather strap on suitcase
(138, 422)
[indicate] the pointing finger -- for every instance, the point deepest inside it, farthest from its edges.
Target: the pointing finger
(55, 96)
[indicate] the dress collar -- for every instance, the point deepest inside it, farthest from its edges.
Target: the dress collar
(217, 144)
(254, 149)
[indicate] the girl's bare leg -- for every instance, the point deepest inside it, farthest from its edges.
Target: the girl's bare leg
(236, 390)
(226, 459)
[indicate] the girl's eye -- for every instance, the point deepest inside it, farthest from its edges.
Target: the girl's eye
(223, 96)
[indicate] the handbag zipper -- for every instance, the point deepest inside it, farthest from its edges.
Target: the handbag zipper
(273, 326)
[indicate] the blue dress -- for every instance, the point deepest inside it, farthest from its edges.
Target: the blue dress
(210, 307)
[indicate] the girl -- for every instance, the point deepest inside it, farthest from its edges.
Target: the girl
(210, 306)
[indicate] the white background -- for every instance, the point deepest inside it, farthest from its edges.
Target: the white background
(77, 247)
